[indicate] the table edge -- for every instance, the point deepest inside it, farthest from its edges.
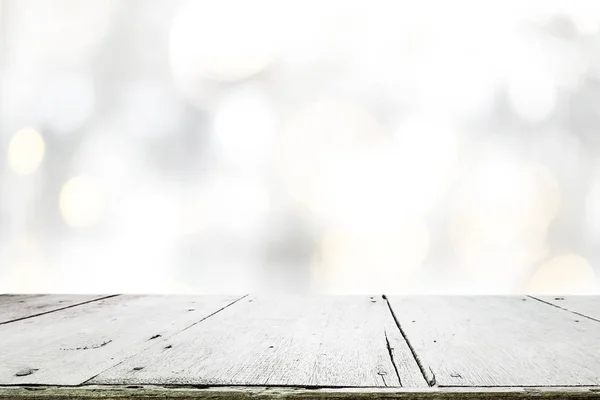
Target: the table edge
(291, 393)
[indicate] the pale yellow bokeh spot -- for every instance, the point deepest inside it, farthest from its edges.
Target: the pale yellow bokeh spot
(81, 201)
(564, 274)
(26, 151)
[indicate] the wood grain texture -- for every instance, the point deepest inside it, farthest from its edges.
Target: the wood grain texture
(14, 307)
(587, 306)
(289, 340)
(499, 341)
(72, 346)
(281, 393)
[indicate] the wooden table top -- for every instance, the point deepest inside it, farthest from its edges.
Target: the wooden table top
(115, 346)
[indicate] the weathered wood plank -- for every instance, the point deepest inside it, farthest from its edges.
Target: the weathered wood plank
(281, 393)
(72, 346)
(587, 306)
(289, 340)
(404, 362)
(14, 307)
(499, 341)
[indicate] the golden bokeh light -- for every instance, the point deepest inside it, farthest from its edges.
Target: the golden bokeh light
(26, 151)
(564, 274)
(221, 40)
(81, 201)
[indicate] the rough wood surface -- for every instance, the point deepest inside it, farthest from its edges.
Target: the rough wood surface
(499, 341)
(280, 393)
(289, 340)
(586, 306)
(14, 307)
(75, 344)
(482, 347)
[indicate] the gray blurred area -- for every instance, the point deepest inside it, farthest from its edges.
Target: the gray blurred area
(227, 146)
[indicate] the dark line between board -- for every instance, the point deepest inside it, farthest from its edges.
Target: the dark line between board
(430, 382)
(170, 337)
(383, 379)
(391, 353)
(433, 381)
(210, 315)
(58, 309)
(563, 308)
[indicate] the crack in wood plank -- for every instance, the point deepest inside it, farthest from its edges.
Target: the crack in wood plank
(57, 309)
(391, 353)
(383, 379)
(94, 346)
(432, 382)
(210, 315)
(161, 343)
(563, 308)
(429, 377)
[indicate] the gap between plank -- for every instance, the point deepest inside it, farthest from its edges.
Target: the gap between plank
(210, 315)
(187, 327)
(563, 308)
(430, 380)
(391, 353)
(59, 309)
(384, 382)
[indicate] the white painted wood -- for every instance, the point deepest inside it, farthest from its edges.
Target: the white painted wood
(18, 306)
(588, 306)
(500, 341)
(288, 340)
(75, 344)
(404, 361)
(147, 392)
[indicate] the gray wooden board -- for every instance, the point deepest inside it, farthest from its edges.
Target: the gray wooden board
(499, 341)
(286, 340)
(75, 344)
(588, 306)
(18, 306)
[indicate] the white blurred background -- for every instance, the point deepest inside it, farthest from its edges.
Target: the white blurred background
(212, 146)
